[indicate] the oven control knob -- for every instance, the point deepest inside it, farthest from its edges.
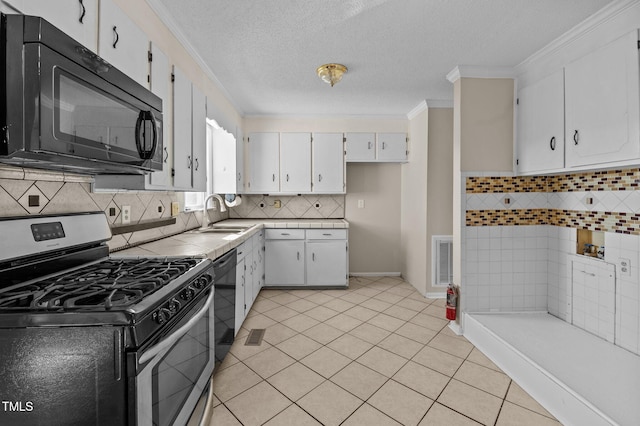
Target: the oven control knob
(202, 281)
(161, 316)
(174, 305)
(187, 294)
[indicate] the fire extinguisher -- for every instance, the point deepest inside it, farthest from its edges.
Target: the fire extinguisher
(452, 302)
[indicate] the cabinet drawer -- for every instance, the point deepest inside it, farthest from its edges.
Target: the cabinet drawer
(284, 234)
(243, 249)
(326, 234)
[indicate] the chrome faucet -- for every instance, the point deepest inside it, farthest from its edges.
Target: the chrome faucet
(205, 214)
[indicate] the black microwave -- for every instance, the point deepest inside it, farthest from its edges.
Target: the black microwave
(64, 108)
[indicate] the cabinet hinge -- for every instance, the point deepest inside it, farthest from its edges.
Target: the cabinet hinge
(517, 161)
(148, 78)
(517, 101)
(311, 138)
(407, 139)
(406, 153)
(248, 139)
(344, 139)
(150, 56)
(638, 44)
(173, 172)
(173, 77)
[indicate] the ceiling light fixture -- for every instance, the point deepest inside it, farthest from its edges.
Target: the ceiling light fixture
(331, 73)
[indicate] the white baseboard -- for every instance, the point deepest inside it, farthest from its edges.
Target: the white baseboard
(374, 274)
(455, 327)
(567, 406)
(438, 295)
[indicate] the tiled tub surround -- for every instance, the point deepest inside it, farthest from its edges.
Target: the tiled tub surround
(292, 207)
(520, 237)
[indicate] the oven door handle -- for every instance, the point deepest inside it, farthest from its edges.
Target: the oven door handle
(173, 337)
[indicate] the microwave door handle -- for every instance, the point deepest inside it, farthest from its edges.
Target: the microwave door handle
(141, 144)
(173, 337)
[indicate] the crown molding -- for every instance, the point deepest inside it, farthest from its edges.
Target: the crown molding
(166, 17)
(471, 71)
(422, 106)
(327, 116)
(608, 12)
(440, 103)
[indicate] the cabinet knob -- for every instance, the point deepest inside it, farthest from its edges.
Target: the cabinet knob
(298, 255)
(552, 143)
(576, 138)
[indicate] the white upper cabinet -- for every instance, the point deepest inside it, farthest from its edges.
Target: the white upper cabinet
(226, 173)
(361, 146)
(160, 85)
(182, 160)
(79, 19)
(380, 147)
(540, 130)
(264, 156)
(328, 163)
(602, 104)
(392, 147)
(122, 43)
(199, 139)
(295, 162)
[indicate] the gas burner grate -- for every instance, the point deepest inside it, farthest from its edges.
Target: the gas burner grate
(109, 284)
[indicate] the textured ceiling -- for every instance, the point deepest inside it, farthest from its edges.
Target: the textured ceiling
(265, 53)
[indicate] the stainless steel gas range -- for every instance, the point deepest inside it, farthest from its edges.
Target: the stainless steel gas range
(90, 339)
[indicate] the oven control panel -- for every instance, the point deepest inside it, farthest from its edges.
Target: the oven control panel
(47, 231)
(182, 298)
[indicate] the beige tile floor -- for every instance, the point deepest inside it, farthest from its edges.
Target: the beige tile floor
(378, 353)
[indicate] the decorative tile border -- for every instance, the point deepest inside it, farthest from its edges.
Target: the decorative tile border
(607, 180)
(622, 223)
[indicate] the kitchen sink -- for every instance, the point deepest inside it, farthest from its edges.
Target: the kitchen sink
(224, 229)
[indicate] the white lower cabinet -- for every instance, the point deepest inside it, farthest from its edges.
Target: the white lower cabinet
(312, 257)
(249, 275)
(284, 262)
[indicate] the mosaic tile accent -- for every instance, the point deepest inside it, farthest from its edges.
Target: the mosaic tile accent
(606, 180)
(507, 217)
(619, 222)
(501, 184)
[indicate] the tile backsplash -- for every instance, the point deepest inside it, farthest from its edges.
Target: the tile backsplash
(291, 207)
(519, 242)
(33, 192)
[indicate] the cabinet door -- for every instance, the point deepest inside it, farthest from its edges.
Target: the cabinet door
(602, 104)
(328, 163)
(264, 153)
(361, 146)
(326, 262)
(182, 160)
(240, 287)
(79, 19)
(249, 272)
(295, 162)
(239, 161)
(392, 147)
(122, 43)
(199, 139)
(160, 85)
(258, 261)
(541, 125)
(284, 262)
(223, 152)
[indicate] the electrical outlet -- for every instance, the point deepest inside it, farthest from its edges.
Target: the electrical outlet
(361, 204)
(175, 208)
(125, 214)
(277, 204)
(625, 266)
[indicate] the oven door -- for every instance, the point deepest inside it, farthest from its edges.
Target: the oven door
(174, 371)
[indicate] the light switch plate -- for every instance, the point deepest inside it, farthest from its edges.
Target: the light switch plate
(175, 208)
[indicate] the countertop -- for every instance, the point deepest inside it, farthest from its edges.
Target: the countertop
(214, 245)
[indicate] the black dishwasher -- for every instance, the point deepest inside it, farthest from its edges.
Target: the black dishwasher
(224, 300)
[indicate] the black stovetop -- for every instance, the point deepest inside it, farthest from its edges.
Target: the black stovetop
(111, 284)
